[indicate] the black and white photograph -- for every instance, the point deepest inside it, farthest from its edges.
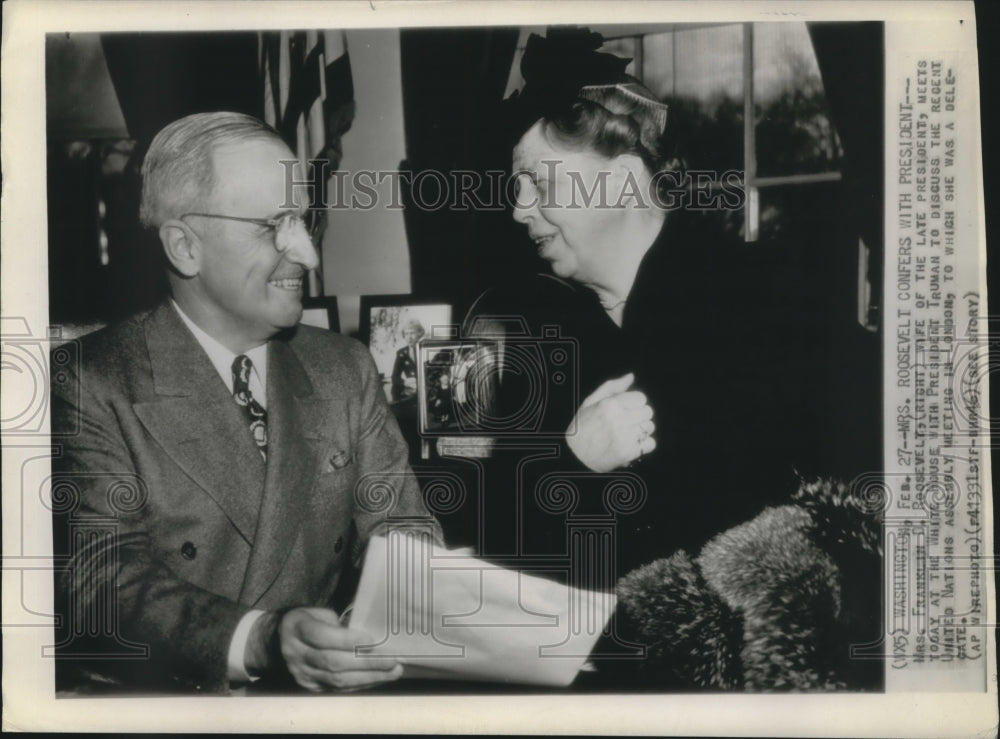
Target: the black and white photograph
(630, 363)
(393, 327)
(458, 387)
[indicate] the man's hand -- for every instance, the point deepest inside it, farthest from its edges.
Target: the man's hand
(317, 651)
(614, 426)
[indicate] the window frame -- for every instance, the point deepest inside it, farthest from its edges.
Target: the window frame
(752, 183)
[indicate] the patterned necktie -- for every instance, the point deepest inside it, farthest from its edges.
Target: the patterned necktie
(255, 414)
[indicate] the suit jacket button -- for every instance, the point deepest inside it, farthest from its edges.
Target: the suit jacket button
(189, 550)
(339, 544)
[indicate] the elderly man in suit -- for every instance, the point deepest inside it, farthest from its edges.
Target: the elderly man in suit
(257, 455)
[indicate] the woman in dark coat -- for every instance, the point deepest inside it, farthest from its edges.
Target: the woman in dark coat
(681, 385)
(685, 416)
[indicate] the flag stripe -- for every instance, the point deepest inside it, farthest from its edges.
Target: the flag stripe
(308, 96)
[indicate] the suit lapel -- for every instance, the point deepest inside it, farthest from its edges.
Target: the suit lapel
(295, 422)
(195, 420)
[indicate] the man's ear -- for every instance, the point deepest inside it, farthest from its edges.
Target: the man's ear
(182, 247)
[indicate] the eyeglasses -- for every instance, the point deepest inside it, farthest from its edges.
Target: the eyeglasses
(310, 222)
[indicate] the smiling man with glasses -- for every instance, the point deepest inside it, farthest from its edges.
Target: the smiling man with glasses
(245, 441)
(238, 266)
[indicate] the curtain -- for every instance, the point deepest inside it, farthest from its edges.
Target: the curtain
(453, 85)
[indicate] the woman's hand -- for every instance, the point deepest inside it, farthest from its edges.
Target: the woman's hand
(613, 426)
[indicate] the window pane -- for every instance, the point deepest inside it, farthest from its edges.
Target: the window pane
(793, 128)
(800, 213)
(698, 72)
(627, 48)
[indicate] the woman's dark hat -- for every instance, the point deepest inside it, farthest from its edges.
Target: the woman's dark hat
(566, 66)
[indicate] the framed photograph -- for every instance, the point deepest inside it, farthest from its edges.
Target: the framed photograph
(456, 387)
(393, 326)
(321, 312)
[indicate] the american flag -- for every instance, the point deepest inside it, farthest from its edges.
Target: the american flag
(309, 98)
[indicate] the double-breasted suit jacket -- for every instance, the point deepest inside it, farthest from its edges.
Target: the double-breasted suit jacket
(203, 529)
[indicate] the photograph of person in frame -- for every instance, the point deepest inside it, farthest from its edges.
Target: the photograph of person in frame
(404, 369)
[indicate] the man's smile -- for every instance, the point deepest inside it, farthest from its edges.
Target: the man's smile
(287, 283)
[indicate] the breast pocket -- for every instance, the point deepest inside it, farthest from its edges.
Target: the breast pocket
(339, 459)
(333, 493)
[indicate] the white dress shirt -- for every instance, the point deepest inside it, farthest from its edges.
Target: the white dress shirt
(222, 359)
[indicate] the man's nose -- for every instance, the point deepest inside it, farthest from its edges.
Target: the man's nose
(302, 251)
(306, 255)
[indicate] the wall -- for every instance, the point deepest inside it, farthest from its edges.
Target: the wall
(365, 250)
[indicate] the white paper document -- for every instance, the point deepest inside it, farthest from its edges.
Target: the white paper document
(447, 615)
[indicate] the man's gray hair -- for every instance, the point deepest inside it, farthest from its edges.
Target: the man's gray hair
(177, 172)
